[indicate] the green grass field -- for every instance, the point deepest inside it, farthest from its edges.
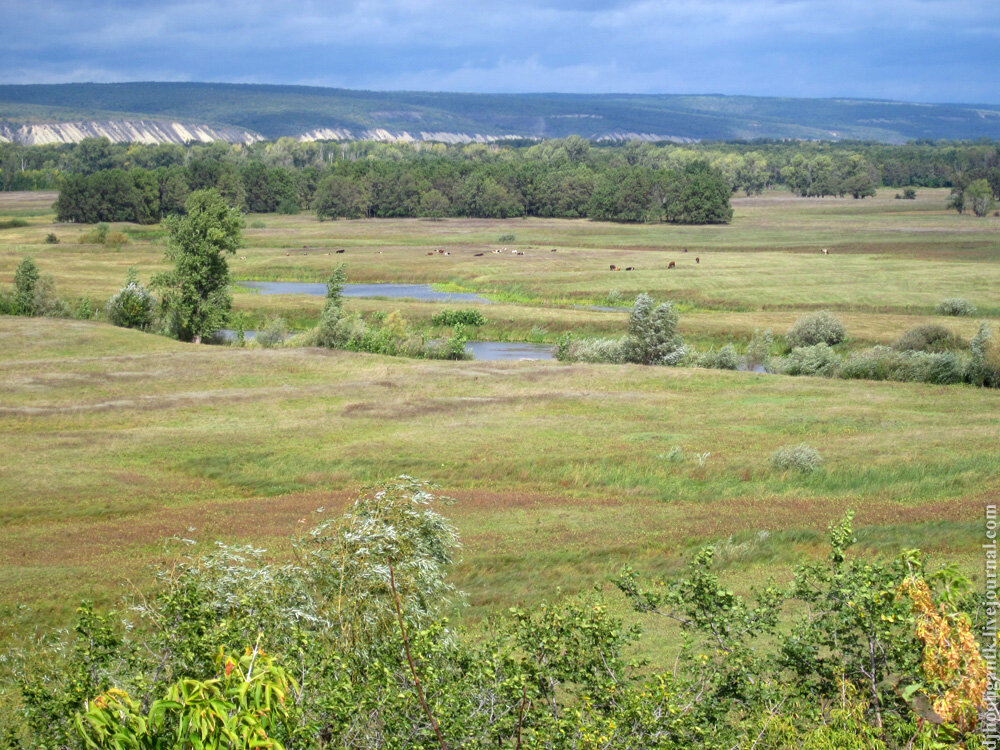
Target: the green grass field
(112, 441)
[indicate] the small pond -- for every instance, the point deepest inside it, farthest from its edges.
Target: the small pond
(492, 351)
(422, 292)
(484, 351)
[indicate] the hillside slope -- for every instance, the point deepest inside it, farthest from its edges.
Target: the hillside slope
(310, 112)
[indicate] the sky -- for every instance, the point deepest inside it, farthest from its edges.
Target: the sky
(910, 50)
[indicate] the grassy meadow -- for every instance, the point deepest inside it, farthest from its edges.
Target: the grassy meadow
(114, 442)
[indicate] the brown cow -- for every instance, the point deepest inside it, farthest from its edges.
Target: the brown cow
(340, 251)
(697, 260)
(671, 264)
(479, 255)
(614, 268)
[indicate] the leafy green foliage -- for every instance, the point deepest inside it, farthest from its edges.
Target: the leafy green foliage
(928, 338)
(469, 317)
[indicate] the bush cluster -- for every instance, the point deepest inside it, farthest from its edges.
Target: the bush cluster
(928, 338)
(345, 645)
(816, 328)
(652, 339)
(886, 363)
(956, 306)
(818, 359)
(468, 317)
(725, 358)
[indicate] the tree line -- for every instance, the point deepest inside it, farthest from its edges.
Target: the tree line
(747, 165)
(430, 186)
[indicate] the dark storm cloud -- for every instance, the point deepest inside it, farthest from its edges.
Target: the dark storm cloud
(931, 50)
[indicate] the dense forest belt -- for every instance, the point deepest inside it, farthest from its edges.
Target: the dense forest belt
(690, 184)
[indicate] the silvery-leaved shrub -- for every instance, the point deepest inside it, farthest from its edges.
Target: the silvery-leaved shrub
(652, 334)
(818, 359)
(956, 306)
(816, 328)
(133, 306)
(801, 457)
(983, 368)
(759, 349)
(928, 338)
(725, 358)
(887, 363)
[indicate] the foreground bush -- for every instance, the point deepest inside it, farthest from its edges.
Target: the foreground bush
(817, 328)
(346, 647)
(955, 306)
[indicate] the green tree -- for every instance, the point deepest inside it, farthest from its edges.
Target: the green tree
(25, 283)
(979, 197)
(195, 294)
(699, 195)
(340, 197)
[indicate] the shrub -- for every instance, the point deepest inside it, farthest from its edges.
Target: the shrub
(448, 317)
(591, 350)
(725, 358)
(12, 223)
(274, 333)
(801, 457)
(257, 224)
(133, 306)
(652, 334)
(289, 207)
(102, 235)
(818, 359)
(51, 239)
(885, 363)
(928, 338)
(817, 328)
(613, 298)
(759, 349)
(25, 280)
(984, 365)
(506, 238)
(955, 306)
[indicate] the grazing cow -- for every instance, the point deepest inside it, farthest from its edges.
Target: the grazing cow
(685, 249)
(671, 265)
(340, 251)
(826, 251)
(554, 250)
(479, 255)
(287, 254)
(630, 268)
(697, 260)
(431, 253)
(614, 268)
(243, 257)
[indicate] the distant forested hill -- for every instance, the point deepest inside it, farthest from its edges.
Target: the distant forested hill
(300, 111)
